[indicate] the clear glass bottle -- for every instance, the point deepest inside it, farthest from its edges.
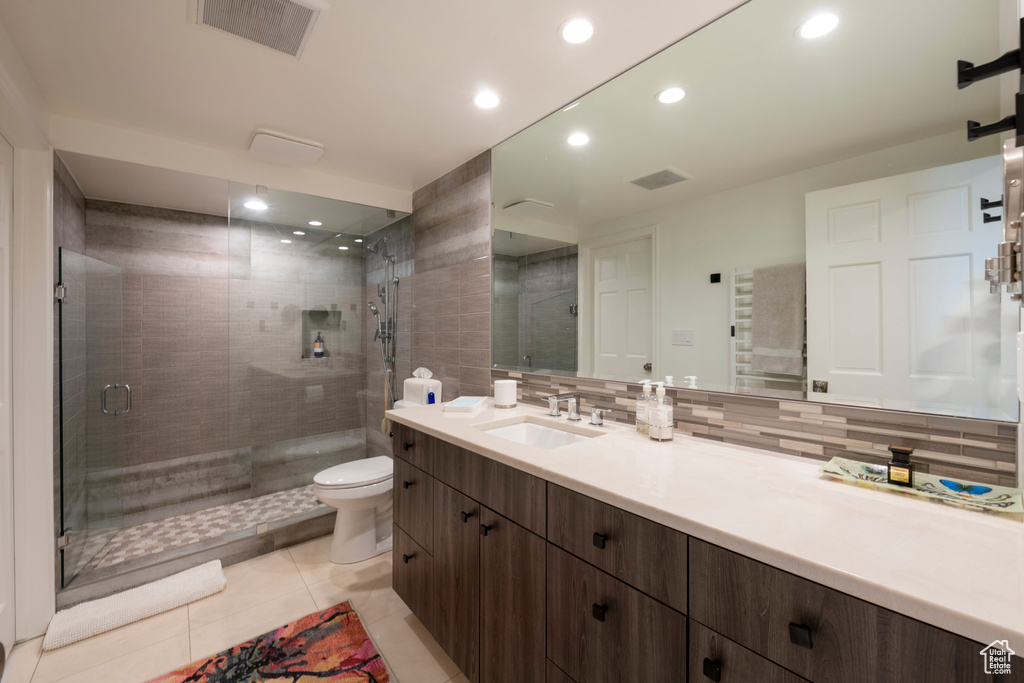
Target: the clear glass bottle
(642, 401)
(660, 415)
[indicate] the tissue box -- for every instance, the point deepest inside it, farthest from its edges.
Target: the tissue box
(416, 389)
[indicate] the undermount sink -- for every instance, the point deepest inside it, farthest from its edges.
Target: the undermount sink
(531, 431)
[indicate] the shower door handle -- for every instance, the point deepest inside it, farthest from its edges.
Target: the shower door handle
(128, 399)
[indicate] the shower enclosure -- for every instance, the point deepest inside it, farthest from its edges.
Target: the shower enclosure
(386, 333)
(193, 414)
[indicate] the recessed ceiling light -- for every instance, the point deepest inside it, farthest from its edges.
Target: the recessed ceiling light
(357, 240)
(578, 139)
(671, 95)
(574, 104)
(486, 99)
(343, 248)
(298, 232)
(256, 205)
(818, 25)
(315, 223)
(286, 241)
(576, 30)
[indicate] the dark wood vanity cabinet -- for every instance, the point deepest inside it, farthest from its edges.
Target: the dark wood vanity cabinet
(512, 606)
(600, 630)
(522, 581)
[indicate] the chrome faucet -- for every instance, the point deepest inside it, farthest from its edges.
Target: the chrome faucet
(572, 400)
(597, 415)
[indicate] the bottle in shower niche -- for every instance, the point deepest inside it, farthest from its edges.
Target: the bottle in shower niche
(642, 400)
(318, 346)
(660, 415)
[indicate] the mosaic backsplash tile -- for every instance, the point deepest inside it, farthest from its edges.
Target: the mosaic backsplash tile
(967, 448)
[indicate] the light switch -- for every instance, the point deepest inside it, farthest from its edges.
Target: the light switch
(682, 337)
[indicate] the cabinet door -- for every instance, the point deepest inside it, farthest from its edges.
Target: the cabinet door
(414, 447)
(412, 577)
(414, 503)
(716, 659)
(457, 578)
(599, 630)
(511, 601)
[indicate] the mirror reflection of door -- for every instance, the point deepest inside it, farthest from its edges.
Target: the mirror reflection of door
(933, 338)
(622, 295)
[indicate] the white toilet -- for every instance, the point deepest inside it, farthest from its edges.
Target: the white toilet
(361, 492)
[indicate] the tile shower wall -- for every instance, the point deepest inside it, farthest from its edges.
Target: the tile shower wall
(451, 319)
(224, 408)
(979, 450)
(69, 233)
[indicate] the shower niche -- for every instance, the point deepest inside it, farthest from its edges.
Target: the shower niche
(326, 323)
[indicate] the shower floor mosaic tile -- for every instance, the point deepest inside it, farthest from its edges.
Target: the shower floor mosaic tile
(174, 532)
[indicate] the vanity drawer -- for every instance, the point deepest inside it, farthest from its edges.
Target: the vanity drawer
(413, 577)
(416, 448)
(414, 503)
(601, 630)
(644, 554)
(510, 492)
(816, 632)
(716, 659)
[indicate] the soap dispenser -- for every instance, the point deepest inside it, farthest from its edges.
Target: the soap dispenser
(642, 400)
(660, 415)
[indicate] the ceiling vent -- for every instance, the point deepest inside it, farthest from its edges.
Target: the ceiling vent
(282, 25)
(528, 208)
(660, 179)
(283, 149)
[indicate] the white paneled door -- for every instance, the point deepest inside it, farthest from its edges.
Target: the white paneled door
(898, 308)
(6, 462)
(622, 289)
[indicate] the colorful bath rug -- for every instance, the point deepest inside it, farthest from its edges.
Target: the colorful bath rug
(328, 646)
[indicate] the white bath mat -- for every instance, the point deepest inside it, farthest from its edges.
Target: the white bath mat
(114, 611)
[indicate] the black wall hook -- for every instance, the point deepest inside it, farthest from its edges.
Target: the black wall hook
(975, 130)
(967, 73)
(993, 204)
(988, 218)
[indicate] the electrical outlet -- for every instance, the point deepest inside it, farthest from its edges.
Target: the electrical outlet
(682, 337)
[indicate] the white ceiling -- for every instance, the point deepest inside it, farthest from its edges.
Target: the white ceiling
(759, 103)
(386, 87)
(118, 181)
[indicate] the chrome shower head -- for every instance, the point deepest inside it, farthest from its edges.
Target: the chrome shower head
(373, 309)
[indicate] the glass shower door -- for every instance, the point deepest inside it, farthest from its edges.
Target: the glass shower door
(94, 399)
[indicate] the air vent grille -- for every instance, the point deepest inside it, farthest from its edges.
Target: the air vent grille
(656, 181)
(281, 25)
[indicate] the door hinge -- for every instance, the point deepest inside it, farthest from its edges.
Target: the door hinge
(60, 293)
(64, 540)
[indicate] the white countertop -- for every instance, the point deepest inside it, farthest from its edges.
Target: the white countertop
(956, 569)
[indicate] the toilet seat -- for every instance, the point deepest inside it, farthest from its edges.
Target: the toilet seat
(356, 473)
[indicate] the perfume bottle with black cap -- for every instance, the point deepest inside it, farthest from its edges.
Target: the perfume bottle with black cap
(901, 470)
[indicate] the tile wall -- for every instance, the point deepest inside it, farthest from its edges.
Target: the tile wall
(978, 450)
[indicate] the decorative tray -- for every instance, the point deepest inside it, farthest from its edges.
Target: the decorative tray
(987, 498)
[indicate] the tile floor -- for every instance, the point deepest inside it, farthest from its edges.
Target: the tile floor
(261, 594)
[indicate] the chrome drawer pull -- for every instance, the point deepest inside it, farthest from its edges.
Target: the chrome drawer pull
(713, 670)
(800, 635)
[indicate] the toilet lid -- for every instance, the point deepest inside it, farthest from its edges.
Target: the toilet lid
(356, 473)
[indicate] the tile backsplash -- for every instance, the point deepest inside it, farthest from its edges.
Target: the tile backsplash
(978, 450)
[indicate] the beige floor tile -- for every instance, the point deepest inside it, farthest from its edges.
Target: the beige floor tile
(139, 666)
(249, 623)
(410, 652)
(311, 559)
(366, 585)
(85, 654)
(21, 663)
(250, 583)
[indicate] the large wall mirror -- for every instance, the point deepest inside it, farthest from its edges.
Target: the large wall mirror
(754, 211)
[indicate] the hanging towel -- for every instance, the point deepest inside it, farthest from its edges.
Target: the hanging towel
(778, 312)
